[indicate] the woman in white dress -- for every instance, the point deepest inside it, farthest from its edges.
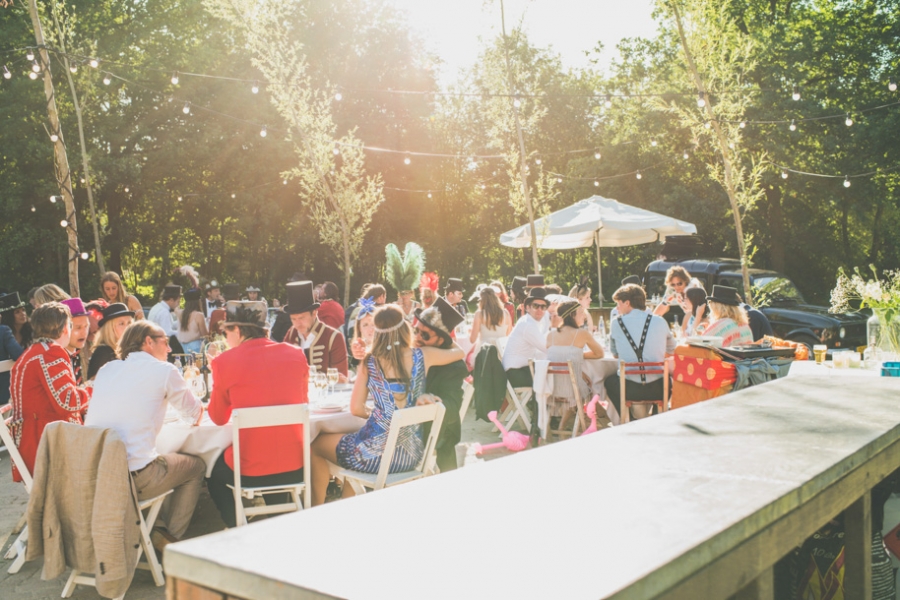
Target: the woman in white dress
(491, 321)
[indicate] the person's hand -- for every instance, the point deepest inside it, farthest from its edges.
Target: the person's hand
(343, 378)
(425, 399)
(358, 348)
(200, 417)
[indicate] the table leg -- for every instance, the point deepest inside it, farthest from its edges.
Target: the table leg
(858, 549)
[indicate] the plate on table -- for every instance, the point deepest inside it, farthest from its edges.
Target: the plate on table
(343, 387)
(327, 407)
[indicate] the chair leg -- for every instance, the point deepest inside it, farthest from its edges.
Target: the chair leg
(147, 546)
(17, 551)
(69, 588)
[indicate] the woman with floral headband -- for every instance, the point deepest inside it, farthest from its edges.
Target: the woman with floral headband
(394, 375)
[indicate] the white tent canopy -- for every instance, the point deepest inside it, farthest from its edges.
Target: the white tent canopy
(597, 221)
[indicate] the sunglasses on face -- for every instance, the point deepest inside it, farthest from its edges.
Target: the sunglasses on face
(425, 335)
(677, 284)
(539, 306)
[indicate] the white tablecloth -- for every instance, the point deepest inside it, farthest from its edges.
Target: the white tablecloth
(209, 440)
(808, 368)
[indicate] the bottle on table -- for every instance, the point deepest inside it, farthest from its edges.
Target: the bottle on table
(872, 355)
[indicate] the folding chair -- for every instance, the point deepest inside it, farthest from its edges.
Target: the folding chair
(402, 418)
(638, 368)
(566, 369)
(468, 392)
(5, 367)
(152, 506)
(17, 549)
(517, 398)
(269, 416)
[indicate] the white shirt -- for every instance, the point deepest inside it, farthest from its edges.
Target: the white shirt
(528, 341)
(130, 397)
(163, 316)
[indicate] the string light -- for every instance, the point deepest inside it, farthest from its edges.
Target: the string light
(793, 126)
(33, 209)
(429, 194)
(559, 180)
(596, 183)
(743, 124)
(537, 161)
(53, 199)
(517, 103)
(179, 198)
(32, 75)
(234, 195)
(638, 174)
(175, 78)
(784, 174)
(187, 108)
(29, 55)
(255, 88)
(94, 63)
(126, 189)
(84, 256)
(107, 79)
(708, 124)
(685, 155)
(701, 101)
(846, 181)
(653, 143)
(848, 121)
(73, 68)
(36, 67)
(264, 131)
(597, 155)
(608, 102)
(6, 73)
(796, 93)
(284, 181)
(54, 138)
(335, 150)
(892, 85)
(339, 96)
(406, 161)
(63, 223)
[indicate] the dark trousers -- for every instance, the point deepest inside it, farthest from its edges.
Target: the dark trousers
(223, 497)
(520, 377)
(634, 390)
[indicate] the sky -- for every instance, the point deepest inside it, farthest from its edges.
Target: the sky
(451, 28)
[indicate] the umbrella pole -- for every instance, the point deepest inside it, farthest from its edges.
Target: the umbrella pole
(599, 279)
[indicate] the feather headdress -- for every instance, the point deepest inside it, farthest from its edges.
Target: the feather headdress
(430, 280)
(192, 275)
(403, 272)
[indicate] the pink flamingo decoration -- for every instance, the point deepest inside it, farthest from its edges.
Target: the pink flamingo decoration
(512, 440)
(591, 410)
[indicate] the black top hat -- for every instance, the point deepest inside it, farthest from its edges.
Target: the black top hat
(519, 285)
(300, 298)
(10, 301)
(192, 295)
(724, 295)
(534, 281)
(172, 290)
(632, 280)
(454, 285)
(231, 291)
(116, 309)
(246, 312)
(441, 317)
(536, 293)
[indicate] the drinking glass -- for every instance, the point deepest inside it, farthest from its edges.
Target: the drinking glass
(332, 379)
(819, 351)
(321, 382)
(840, 359)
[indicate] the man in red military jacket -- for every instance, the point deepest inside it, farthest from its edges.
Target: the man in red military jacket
(256, 372)
(324, 346)
(42, 385)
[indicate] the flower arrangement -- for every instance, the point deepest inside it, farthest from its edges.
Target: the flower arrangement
(882, 295)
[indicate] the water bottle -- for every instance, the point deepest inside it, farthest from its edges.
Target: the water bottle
(601, 330)
(179, 366)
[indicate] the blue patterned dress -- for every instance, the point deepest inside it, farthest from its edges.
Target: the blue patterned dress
(361, 451)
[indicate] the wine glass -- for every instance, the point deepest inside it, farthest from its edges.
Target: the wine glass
(321, 382)
(198, 387)
(332, 379)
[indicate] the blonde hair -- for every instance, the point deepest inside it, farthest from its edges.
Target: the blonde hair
(106, 335)
(725, 311)
(585, 291)
(392, 339)
(49, 293)
(121, 294)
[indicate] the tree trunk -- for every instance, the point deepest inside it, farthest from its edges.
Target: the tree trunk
(776, 228)
(61, 159)
(876, 237)
(726, 159)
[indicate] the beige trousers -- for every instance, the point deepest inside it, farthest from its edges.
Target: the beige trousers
(180, 472)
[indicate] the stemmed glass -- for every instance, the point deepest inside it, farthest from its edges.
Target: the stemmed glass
(332, 379)
(321, 382)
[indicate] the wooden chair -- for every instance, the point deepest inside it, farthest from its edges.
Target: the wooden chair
(406, 417)
(468, 392)
(517, 398)
(566, 369)
(152, 507)
(638, 368)
(17, 549)
(269, 416)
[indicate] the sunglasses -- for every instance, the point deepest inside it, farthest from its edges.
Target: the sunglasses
(538, 306)
(425, 335)
(161, 337)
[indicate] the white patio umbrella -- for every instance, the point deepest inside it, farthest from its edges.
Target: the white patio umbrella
(597, 221)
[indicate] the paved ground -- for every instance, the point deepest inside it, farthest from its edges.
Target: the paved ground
(27, 583)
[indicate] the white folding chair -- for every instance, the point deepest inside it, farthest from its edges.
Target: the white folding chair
(152, 506)
(5, 367)
(402, 418)
(269, 416)
(468, 392)
(517, 398)
(566, 369)
(17, 549)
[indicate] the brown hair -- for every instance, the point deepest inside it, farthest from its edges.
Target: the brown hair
(49, 293)
(375, 291)
(632, 293)
(134, 336)
(248, 332)
(330, 290)
(491, 310)
(679, 272)
(389, 347)
(121, 294)
(504, 297)
(49, 320)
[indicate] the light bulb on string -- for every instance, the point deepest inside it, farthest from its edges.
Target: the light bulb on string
(537, 161)
(234, 196)
(596, 183)
(255, 88)
(597, 155)
(175, 78)
(73, 68)
(708, 124)
(793, 125)
(742, 124)
(559, 180)
(795, 94)
(608, 102)
(53, 199)
(339, 96)
(264, 131)
(484, 187)
(892, 85)
(84, 256)
(36, 67)
(30, 55)
(784, 174)
(127, 189)
(6, 73)
(685, 155)
(429, 194)
(179, 198)
(846, 181)
(848, 121)
(32, 75)
(284, 182)
(406, 160)
(187, 108)
(33, 209)
(701, 100)
(94, 63)
(638, 174)
(335, 150)
(107, 79)
(54, 138)
(653, 143)
(63, 223)
(517, 103)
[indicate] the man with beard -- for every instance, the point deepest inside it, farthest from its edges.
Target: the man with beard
(81, 326)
